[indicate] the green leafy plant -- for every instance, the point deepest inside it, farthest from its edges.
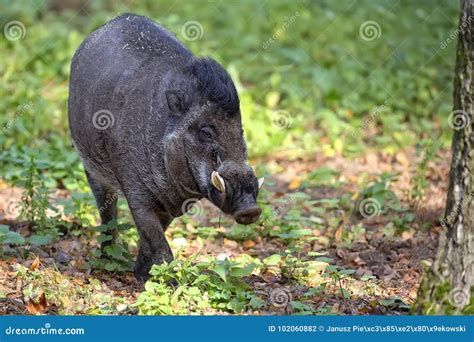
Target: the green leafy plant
(321, 176)
(184, 286)
(9, 237)
(116, 255)
(35, 200)
(378, 198)
(337, 274)
(240, 232)
(81, 207)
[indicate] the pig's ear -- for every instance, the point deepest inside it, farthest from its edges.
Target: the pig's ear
(177, 100)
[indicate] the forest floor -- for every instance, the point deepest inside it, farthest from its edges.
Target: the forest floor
(338, 234)
(384, 250)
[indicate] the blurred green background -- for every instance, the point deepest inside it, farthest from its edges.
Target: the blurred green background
(307, 76)
(319, 82)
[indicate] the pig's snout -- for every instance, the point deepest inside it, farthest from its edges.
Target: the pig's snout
(237, 189)
(247, 211)
(248, 215)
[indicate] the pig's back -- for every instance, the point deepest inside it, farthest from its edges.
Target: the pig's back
(118, 54)
(130, 37)
(112, 76)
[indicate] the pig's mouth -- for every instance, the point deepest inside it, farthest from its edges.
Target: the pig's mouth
(248, 215)
(238, 201)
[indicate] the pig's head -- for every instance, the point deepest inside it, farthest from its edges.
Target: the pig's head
(208, 141)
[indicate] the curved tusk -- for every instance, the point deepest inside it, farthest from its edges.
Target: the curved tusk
(218, 181)
(260, 182)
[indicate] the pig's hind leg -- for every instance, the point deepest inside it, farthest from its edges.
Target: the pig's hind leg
(106, 200)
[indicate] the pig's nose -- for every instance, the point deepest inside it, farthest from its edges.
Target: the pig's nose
(248, 215)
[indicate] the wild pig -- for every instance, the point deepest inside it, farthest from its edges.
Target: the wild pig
(161, 127)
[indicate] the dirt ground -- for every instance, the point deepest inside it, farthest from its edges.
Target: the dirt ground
(394, 261)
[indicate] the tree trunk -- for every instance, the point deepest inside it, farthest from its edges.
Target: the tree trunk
(447, 287)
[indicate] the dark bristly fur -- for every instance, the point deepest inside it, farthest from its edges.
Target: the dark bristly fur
(173, 120)
(215, 84)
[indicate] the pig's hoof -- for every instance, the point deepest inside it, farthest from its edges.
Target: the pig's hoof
(142, 272)
(172, 283)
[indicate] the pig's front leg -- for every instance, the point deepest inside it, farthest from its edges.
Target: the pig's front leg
(154, 249)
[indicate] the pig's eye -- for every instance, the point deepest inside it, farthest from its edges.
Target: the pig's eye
(206, 134)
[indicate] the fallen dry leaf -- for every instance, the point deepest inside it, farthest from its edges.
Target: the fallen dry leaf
(230, 243)
(402, 159)
(407, 235)
(248, 244)
(295, 184)
(338, 234)
(35, 264)
(37, 307)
